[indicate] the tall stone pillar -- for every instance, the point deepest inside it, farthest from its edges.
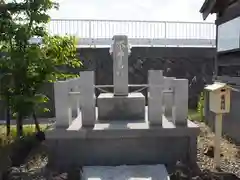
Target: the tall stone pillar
(120, 65)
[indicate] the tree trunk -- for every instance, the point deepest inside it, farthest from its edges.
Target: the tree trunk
(19, 125)
(37, 126)
(8, 120)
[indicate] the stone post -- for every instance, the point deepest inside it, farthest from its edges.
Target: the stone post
(88, 100)
(76, 101)
(120, 65)
(168, 96)
(71, 107)
(155, 94)
(180, 102)
(61, 99)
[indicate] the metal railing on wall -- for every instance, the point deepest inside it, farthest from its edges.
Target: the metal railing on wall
(94, 29)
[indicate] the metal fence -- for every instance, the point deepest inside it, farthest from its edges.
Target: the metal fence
(94, 29)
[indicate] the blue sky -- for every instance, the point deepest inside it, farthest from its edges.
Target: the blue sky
(159, 10)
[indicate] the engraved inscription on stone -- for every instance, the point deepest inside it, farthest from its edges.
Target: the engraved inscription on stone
(120, 49)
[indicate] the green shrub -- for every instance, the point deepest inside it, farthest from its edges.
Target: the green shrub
(200, 107)
(193, 115)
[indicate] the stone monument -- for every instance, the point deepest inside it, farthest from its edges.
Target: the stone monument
(120, 65)
(121, 129)
(120, 105)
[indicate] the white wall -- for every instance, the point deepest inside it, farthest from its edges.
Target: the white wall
(229, 35)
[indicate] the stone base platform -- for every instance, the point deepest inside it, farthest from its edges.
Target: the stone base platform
(141, 172)
(131, 107)
(122, 143)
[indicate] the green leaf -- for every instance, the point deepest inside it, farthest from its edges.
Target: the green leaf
(46, 110)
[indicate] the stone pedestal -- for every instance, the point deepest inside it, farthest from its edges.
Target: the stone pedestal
(115, 143)
(130, 107)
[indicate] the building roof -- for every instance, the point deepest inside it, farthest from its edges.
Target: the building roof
(214, 6)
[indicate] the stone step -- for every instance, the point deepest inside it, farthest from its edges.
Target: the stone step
(124, 172)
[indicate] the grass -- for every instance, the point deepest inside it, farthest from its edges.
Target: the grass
(27, 130)
(11, 147)
(194, 115)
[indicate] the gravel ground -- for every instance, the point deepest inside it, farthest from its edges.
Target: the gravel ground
(230, 160)
(36, 166)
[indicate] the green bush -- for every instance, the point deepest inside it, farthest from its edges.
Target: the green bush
(198, 114)
(200, 107)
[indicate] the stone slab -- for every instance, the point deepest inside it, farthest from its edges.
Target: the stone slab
(131, 107)
(120, 150)
(140, 172)
(125, 128)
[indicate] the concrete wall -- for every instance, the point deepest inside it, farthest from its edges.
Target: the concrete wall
(231, 121)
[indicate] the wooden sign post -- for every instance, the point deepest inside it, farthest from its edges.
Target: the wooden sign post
(217, 140)
(219, 103)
